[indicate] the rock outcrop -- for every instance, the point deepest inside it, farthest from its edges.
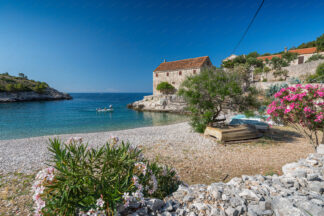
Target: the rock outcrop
(48, 94)
(160, 103)
(298, 192)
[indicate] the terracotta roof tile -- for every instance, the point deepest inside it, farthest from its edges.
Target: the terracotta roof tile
(304, 51)
(299, 51)
(182, 64)
(268, 57)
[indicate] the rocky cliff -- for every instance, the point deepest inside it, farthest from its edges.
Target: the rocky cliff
(47, 94)
(160, 103)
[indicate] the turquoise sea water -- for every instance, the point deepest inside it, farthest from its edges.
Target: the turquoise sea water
(28, 119)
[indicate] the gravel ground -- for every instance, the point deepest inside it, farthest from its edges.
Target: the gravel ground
(197, 159)
(28, 155)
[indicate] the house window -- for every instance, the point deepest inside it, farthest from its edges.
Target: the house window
(194, 71)
(156, 75)
(167, 73)
(173, 83)
(300, 59)
(180, 73)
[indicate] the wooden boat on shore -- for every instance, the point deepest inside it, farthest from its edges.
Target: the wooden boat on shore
(233, 133)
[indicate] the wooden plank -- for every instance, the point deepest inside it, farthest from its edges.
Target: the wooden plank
(232, 133)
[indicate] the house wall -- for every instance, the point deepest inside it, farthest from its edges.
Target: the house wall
(305, 69)
(172, 77)
(298, 70)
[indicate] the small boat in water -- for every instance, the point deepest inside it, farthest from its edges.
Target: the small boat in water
(110, 109)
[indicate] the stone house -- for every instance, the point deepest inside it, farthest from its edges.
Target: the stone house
(175, 72)
(303, 55)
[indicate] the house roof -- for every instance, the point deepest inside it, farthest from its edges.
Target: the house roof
(183, 64)
(299, 51)
(304, 51)
(268, 57)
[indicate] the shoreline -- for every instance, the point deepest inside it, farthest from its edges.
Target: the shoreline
(30, 154)
(103, 131)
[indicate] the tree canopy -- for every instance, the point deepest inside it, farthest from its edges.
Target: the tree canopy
(208, 93)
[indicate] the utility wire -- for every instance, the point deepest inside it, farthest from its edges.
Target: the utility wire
(247, 29)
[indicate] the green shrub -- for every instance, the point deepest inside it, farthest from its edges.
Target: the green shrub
(318, 77)
(40, 87)
(113, 174)
(206, 95)
(165, 88)
(294, 80)
(288, 57)
(280, 72)
(315, 57)
(10, 87)
(273, 89)
(320, 70)
(258, 71)
(265, 80)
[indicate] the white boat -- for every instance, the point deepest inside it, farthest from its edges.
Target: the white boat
(110, 109)
(104, 110)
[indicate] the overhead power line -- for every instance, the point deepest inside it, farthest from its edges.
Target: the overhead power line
(247, 29)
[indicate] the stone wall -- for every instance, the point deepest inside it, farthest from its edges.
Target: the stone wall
(298, 71)
(298, 192)
(175, 77)
(303, 69)
(266, 85)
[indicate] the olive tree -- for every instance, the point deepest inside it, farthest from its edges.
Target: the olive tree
(208, 93)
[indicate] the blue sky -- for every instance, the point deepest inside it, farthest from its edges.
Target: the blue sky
(113, 46)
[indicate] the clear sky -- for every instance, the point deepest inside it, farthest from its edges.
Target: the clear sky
(113, 46)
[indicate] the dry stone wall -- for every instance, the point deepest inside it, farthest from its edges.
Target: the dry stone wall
(298, 192)
(298, 71)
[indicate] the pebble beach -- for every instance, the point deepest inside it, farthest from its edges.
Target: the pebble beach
(30, 154)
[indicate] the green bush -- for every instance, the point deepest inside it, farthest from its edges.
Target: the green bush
(280, 72)
(165, 88)
(40, 87)
(289, 56)
(112, 173)
(10, 87)
(273, 89)
(318, 77)
(294, 80)
(207, 93)
(315, 57)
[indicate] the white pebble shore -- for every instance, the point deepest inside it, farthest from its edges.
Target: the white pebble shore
(30, 154)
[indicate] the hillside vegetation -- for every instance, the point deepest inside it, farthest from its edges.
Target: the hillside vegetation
(20, 83)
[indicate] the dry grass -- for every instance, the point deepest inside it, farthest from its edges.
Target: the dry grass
(15, 194)
(206, 165)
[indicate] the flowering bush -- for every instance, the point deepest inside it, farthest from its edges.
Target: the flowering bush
(300, 107)
(95, 181)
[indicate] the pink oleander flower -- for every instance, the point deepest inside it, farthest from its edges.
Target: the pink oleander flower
(74, 140)
(141, 167)
(100, 202)
(114, 139)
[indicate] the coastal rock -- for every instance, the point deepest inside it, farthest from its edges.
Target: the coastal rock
(160, 103)
(48, 94)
